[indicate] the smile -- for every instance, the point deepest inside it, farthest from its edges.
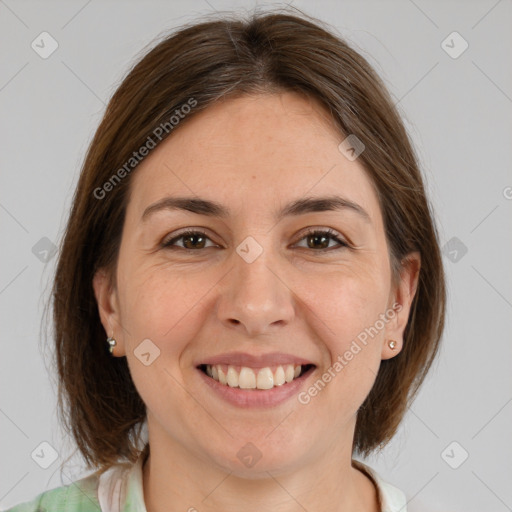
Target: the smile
(244, 377)
(247, 380)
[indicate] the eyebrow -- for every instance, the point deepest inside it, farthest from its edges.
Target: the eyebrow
(295, 208)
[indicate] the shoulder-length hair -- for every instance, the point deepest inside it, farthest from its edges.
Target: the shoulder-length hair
(205, 61)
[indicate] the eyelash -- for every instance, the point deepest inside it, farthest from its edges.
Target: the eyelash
(313, 232)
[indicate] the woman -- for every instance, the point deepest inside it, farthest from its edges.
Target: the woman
(251, 272)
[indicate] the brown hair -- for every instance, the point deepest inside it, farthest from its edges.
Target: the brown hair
(269, 52)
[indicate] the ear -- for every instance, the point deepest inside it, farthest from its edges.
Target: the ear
(108, 308)
(400, 301)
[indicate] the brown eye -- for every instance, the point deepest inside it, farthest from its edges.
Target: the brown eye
(320, 239)
(191, 240)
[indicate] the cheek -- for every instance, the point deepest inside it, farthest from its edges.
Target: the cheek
(346, 309)
(158, 303)
(348, 301)
(159, 311)
(170, 309)
(360, 300)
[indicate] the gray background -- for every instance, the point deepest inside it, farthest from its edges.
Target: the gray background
(458, 111)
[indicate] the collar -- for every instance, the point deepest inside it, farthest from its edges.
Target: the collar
(391, 499)
(120, 488)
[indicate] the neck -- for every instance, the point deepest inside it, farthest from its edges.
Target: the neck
(176, 480)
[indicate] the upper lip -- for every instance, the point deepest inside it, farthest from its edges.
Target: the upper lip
(255, 361)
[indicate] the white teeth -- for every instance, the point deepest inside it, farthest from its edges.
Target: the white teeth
(279, 378)
(265, 379)
(289, 373)
(222, 376)
(248, 378)
(231, 377)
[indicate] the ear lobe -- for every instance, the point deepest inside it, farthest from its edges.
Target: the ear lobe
(404, 294)
(106, 298)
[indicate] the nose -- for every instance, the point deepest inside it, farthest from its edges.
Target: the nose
(255, 297)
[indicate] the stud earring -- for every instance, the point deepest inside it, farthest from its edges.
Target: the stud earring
(112, 343)
(392, 344)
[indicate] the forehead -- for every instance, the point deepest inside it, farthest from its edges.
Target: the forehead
(253, 151)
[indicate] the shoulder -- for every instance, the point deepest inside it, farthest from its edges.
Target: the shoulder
(117, 489)
(78, 496)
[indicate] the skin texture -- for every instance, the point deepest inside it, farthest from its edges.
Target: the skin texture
(253, 154)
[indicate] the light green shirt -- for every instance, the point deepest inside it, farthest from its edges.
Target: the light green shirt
(119, 489)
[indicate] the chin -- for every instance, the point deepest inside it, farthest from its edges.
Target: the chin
(256, 459)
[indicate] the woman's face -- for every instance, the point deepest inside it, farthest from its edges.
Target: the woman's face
(253, 289)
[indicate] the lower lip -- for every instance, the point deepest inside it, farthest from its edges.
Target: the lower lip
(247, 398)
